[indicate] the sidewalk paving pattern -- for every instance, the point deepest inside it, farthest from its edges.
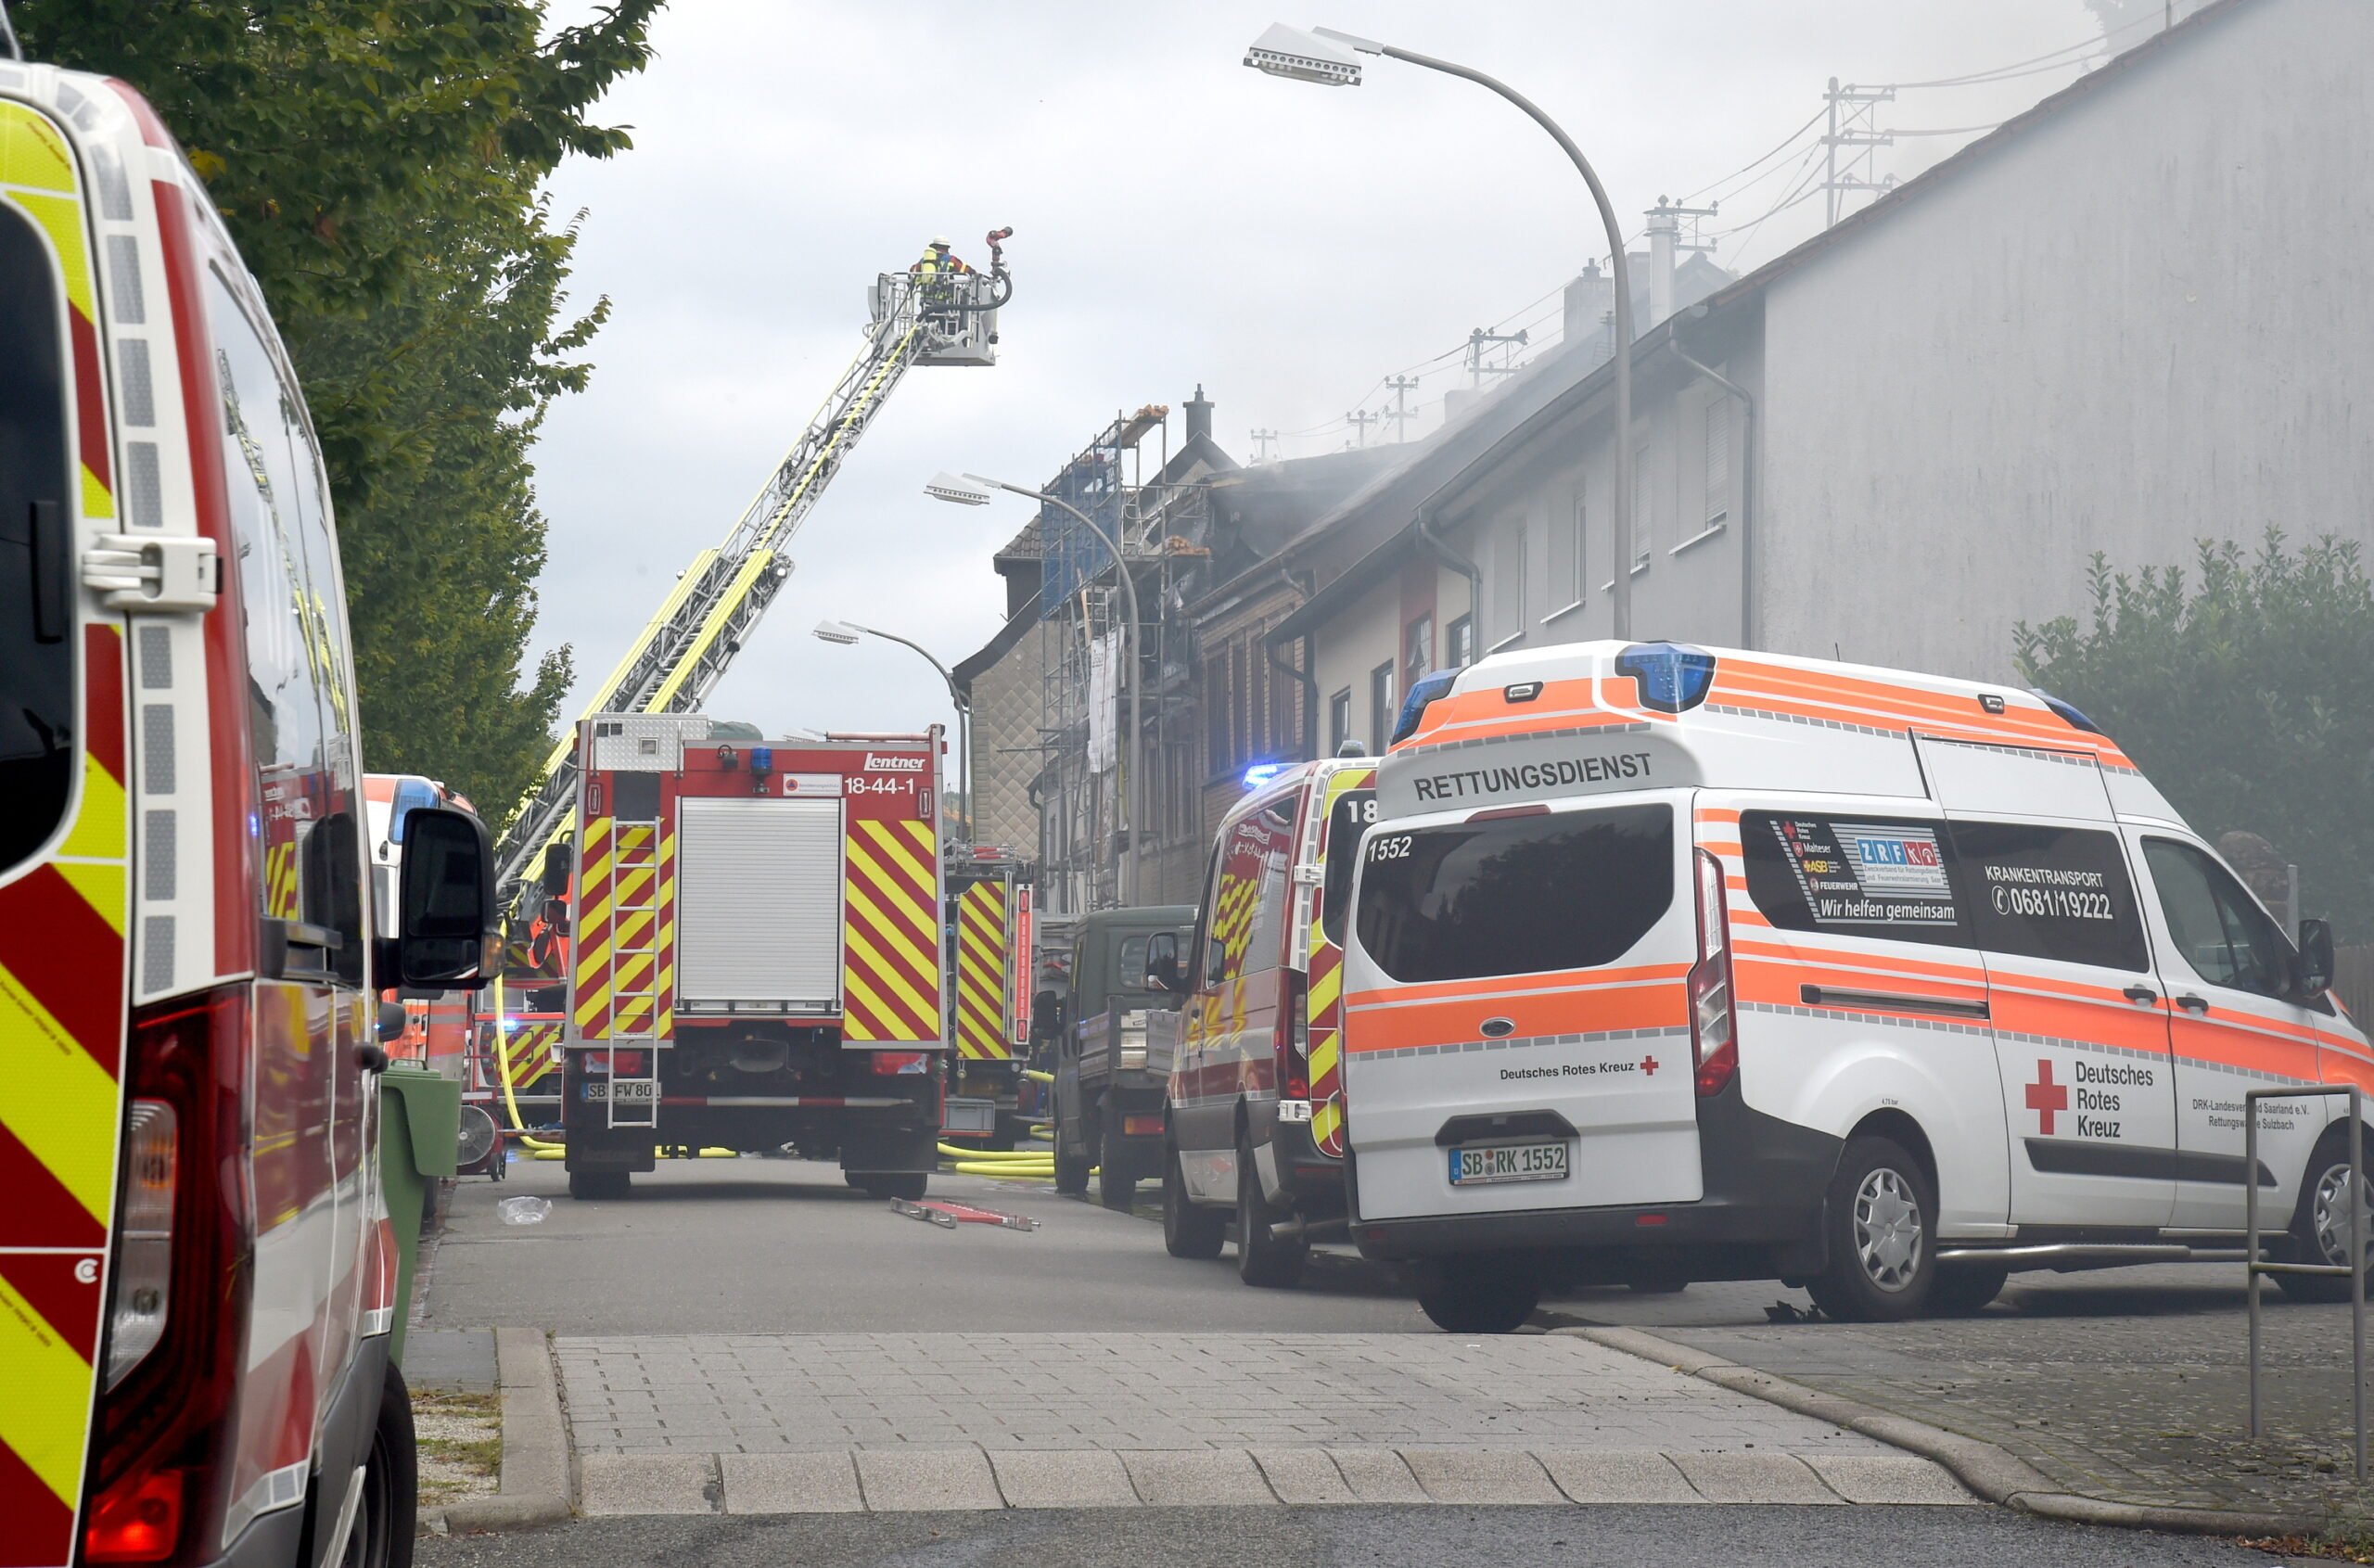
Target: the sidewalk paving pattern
(742, 1423)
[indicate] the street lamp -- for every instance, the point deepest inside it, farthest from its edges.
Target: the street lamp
(848, 634)
(973, 490)
(1321, 56)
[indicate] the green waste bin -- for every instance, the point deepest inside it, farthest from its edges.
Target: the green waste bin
(419, 1135)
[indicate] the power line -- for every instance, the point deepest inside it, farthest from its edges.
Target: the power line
(2019, 67)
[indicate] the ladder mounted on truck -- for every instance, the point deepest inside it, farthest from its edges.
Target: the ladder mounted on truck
(944, 317)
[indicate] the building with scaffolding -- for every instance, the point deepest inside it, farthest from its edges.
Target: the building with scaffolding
(1049, 692)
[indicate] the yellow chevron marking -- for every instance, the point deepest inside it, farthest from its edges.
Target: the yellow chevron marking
(33, 152)
(101, 886)
(61, 218)
(98, 830)
(868, 963)
(853, 1027)
(49, 1390)
(61, 1104)
(885, 839)
(1325, 989)
(878, 900)
(590, 1007)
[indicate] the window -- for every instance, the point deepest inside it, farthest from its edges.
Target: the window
(1864, 877)
(1508, 598)
(1249, 894)
(1217, 698)
(1718, 461)
(1353, 814)
(1257, 710)
(1567, 561)
(38, 721)
(1458, 642)
(1418, 641)
(1380, 713)
(1285, 736)
(301, 710)
(2050, 892)
(1339, 721)
(1518, 895)
(2219, 930)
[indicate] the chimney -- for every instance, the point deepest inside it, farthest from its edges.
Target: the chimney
(1199, 415)
(1663, 229)
(1588, 297)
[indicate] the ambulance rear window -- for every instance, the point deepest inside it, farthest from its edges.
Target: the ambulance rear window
(1516, 896)
(37, 720)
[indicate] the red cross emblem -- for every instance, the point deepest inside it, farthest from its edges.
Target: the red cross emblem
(2045, 1097)
(1649, 1065)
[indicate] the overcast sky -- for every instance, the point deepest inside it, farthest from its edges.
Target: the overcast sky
(1177, 219)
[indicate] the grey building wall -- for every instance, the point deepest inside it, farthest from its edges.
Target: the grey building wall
(2147, 319)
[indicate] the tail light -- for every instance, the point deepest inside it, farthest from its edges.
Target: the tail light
(1293, 1036)
(178, 1288)
(1714, 1042)
(891, 1064)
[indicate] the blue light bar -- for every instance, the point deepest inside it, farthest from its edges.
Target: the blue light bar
(1423, 691)
(1262, 772)
(1672, 677)
(763, 759)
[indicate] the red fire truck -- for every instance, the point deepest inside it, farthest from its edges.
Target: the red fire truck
(989, 958)
(757, 951)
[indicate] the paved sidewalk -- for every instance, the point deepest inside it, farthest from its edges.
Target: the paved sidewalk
(2129, 1388)
(891, 1422)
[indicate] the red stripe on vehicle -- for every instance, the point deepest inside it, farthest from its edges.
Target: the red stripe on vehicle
(54, 941)
(68, 1306)
(40, 1531)
(42, 1213)
(103, 705)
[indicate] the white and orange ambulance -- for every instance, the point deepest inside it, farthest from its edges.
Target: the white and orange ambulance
(1671, 964)
(198, 1276)
(1254, 1117)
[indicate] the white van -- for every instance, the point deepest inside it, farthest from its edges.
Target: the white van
(1672, 963)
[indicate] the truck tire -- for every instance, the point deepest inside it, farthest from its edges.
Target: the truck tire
(1071, 1170)
(1263, 1257)
(1487, 1294)
(910, 1185)
(1188, 1231)
(1117, 1185)
(1879, 1224)
(1965, 1292)
(595, 1185)
(386, 1514)
(2320, 1225)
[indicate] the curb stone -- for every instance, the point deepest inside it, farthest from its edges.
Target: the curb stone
(534, 1486)
(1990, 1472)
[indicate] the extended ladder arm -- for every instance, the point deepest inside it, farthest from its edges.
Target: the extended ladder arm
(704, 621)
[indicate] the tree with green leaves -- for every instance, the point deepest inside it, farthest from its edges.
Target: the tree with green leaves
(379, 166)
(2241, 688)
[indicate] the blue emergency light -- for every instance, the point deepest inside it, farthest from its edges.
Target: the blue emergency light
(762, 760)
(410, 795)
(1672, 677)
(1261, 773)
(1423, 691)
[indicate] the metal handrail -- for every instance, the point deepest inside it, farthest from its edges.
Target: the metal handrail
(2355, 1268)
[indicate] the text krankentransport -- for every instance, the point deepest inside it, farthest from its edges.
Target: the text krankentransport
(1531, 775)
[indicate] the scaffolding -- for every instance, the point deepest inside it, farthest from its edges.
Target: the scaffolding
(1162, 528)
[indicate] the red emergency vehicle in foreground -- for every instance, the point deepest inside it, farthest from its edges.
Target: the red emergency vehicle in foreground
(197, 1271)
(757, 951)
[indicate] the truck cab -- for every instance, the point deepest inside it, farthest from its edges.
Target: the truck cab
(1110, 1071)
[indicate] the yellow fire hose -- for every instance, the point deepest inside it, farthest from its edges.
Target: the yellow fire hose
(1035, 1076)
(503, 1075)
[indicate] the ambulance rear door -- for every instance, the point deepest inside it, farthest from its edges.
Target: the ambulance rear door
(1516, 1030)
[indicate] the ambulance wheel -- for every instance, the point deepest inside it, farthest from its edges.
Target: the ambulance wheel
(1486, 1293)
(1263, 1257)
(385, 1512)
(1116, 1189)
(1881, 1219)
(594, 1186)
(909, 1185)
(1959, 1293)
(2321, 1226)
(1188, 1231)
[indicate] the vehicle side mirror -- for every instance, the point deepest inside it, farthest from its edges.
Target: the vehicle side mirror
(391, 1019)
(2316, 958)
(1162, 962)
(447, 934)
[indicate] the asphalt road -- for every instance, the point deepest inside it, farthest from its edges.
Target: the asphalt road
(784, 1246)
(1321, 1537)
